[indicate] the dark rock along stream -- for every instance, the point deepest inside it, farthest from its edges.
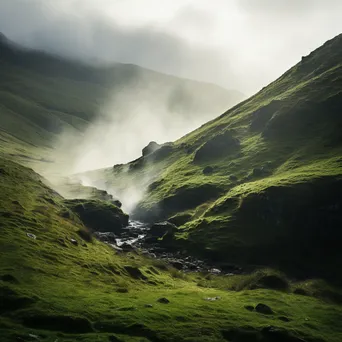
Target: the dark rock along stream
(134, 237)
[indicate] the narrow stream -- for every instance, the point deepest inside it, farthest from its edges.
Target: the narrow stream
(135, 237)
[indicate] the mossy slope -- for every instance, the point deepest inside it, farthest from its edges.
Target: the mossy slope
(56, 289)
(259, 184)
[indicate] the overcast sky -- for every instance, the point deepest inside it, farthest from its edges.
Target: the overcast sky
(239, 44)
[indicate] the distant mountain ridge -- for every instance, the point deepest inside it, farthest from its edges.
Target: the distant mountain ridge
(42, 94)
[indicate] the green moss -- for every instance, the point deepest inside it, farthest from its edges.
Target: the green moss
(55, 289)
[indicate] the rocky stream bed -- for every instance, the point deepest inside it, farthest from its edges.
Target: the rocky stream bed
(145, 238)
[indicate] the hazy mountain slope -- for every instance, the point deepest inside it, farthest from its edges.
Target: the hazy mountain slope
(56, 283)
(261, 183)
(42, 95)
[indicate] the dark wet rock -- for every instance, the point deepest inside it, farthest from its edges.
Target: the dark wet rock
(300, 291)
(273, 282)
(113, 338)
(180, 219)
(249, 307)
(161, 153)
(127, 247)
(161, 228)
(275, 334)
(8, 278)
(241, 335)
(184, 198)
(85, 234)
(177, 264)
(163, 300)
(116, 202)
(98, 215)
(264, 309)
(231, 268)
(233, 178)
(267, 334)
(134, 272)
(10, 300)
(218, 146)
(284, 319)
(259, 172)
(135, 329)
(208, 170)
(64, 324)
(151, 147)
(106, 236)
(262, 116)
(136, 164)
(118, 167)
(122, 290)
(74, 242)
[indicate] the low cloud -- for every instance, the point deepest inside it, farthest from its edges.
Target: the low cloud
(241, 44)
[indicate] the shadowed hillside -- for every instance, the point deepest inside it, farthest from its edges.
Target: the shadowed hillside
(260, 184)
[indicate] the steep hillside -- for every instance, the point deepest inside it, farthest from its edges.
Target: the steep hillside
(261, 184)
(58, 283)
(43, 95)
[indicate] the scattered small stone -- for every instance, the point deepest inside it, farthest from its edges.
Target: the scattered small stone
(249, 307)
(284, 319)
(127, 247)
(264, 309)
(135, 272)
(113, 339)
(148, 306)
(177, 264)
(117, 248)
(208, 170)
(32, 236)
(62, 242)
(215, 271)
(212, 299)
(122, 290)
(74, 242)
(300, 291)
(163, 300)
(128, 308)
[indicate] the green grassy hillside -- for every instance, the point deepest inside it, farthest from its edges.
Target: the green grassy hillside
(57, 283)
(43, 95)
(260, 184)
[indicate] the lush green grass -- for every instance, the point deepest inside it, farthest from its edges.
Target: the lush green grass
(56, 290)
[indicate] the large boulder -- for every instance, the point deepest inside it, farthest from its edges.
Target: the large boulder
(150, 148)
(99, 216)
(219, 146)
(162, 228)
